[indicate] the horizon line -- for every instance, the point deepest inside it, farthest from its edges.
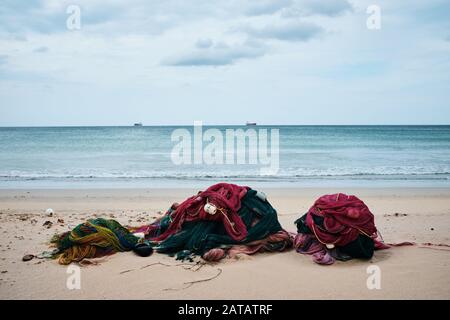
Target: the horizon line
(220, 125)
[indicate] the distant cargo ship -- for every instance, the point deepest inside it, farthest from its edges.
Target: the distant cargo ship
(139, 124)
(250, 123)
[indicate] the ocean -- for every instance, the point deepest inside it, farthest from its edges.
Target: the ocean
(120, 157)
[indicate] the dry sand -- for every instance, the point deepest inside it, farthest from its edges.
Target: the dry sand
(406, 272)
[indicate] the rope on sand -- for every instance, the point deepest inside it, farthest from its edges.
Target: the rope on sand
(191, 283)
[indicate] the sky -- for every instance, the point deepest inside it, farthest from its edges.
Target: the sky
(224, 62)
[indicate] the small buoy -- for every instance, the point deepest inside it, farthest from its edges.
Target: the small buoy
(209, 208)
(140, 235)
(330, 246)
(261, 195)
(353, 213)
(49, 212)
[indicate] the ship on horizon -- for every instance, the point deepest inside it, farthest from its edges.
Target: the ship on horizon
(250, 123)
(138, 124)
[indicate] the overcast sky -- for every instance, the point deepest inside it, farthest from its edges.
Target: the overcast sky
(224, 62)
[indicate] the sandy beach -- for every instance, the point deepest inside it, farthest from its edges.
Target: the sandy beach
(414, 214)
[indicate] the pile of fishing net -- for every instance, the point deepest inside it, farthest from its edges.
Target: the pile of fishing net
(93, 239)
(337, 227)
(224, 220)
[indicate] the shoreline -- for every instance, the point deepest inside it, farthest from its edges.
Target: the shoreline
(144, 183)
(407, 272)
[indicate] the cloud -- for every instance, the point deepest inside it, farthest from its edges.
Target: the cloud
(204, 43)
(42, 49)
(261, 7)
(149, 17)
(21, 16)
(330, 8)
(219, 54)
(287, 31)
(50, 16)
(291, 8)
(432, 11)
(120, 56)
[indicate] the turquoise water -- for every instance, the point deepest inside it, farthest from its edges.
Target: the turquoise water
(141, 156)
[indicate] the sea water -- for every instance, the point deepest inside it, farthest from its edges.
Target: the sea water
(83, 157)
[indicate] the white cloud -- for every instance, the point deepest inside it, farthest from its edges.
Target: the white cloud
(130, 58)
(204, 43)
(217, 55)
(41, 49)
(262, 7)
(329, 8)
(289, 31)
